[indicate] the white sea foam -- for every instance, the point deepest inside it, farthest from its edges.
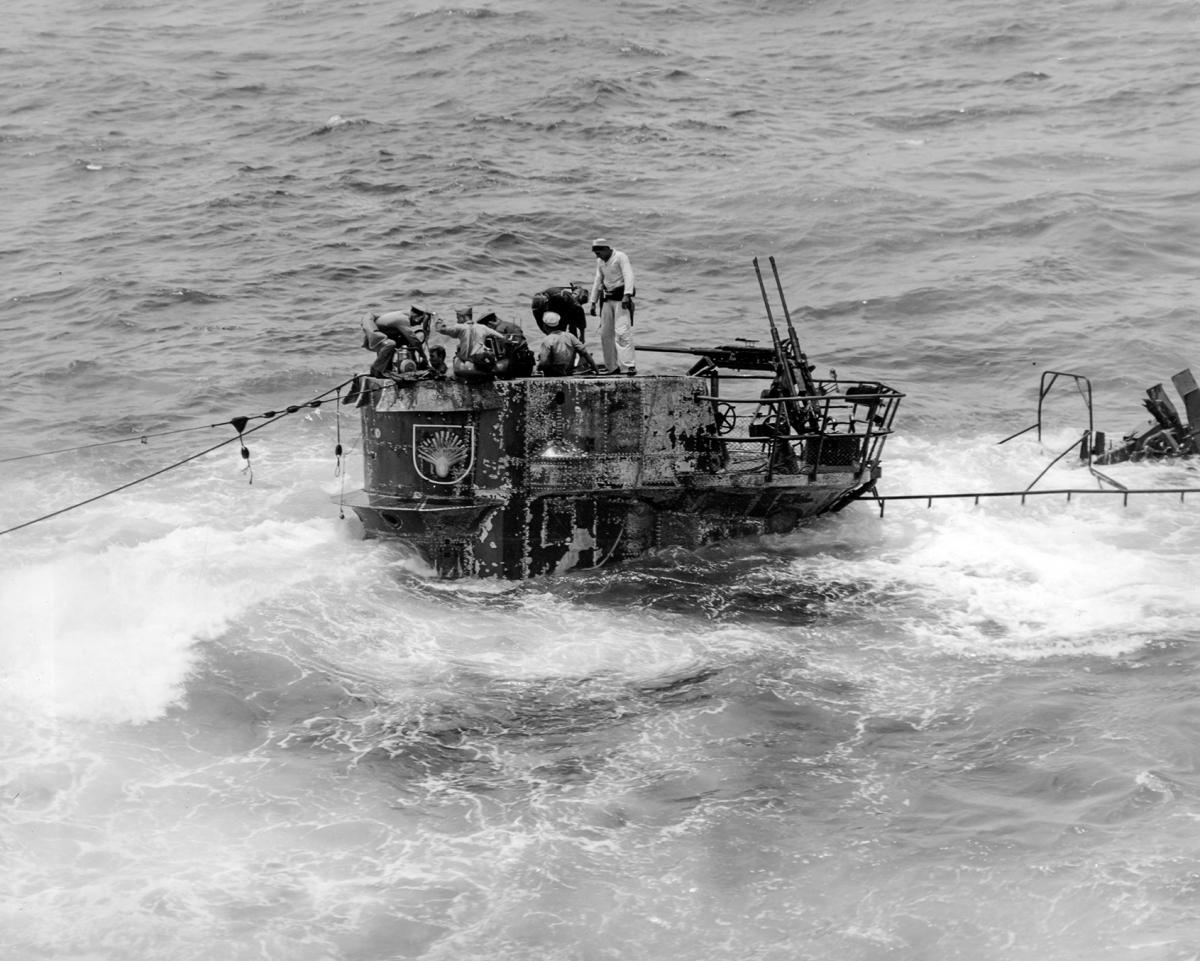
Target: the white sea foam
(110, 634)
(1047, 577)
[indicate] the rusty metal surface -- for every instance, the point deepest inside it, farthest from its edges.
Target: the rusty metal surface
(539, 475)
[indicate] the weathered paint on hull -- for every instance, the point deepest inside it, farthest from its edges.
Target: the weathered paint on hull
(519, 478)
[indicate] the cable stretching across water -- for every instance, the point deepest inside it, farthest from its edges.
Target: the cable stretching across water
(316, 402)
(108, 443)
(239, 424)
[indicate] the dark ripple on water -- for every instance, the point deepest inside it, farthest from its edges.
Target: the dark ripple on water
(747, 581)
(741, 583)
(570, 726)
(523, 741)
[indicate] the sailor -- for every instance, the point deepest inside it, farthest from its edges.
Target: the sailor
(479, 347)
(516, 359)
(388, 332)
(567, 302)
(560, 348)
(437, 361)
(612, 293)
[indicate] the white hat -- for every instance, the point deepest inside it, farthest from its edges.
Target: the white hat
(600, 242)
(551, 319)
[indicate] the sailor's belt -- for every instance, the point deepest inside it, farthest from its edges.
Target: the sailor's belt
(616, 293)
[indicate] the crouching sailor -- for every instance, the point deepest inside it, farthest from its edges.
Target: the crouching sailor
(568, 303)
(558, 352)
(478, 347)
(398, 340)
(516, 360)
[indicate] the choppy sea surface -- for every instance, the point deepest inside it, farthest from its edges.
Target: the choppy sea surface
(233, 729)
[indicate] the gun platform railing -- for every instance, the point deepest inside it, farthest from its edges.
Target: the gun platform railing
(845, 427)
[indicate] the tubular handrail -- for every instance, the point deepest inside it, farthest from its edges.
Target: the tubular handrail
(1124, 492)
(731, 439)
(1085, 445)
(1044, 388)
(850, 399)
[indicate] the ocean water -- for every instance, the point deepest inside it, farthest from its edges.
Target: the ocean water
(234, 729)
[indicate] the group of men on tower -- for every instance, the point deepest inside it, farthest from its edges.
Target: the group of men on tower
(489, 347)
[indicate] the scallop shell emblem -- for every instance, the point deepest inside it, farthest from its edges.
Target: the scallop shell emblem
(445, 454)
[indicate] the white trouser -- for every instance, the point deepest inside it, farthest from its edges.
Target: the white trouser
(616, 337)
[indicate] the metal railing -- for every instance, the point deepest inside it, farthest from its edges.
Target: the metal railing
(1124, 493)
(847, 424)
(1086, 444)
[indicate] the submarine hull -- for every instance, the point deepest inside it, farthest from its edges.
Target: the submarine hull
(532, 476)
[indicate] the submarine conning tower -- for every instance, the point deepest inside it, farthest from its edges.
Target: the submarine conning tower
(514, 478)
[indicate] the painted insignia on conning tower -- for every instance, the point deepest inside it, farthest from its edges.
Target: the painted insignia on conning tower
(443, 453)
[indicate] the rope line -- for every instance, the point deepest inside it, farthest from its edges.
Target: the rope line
(143, 438)
(104, 443)
(239, 423)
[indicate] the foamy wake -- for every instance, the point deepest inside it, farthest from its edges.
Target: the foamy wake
(111, 634)
(1043, 578)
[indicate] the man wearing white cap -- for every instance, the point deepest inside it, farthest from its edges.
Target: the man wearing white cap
(558, 352)
(612, 292)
